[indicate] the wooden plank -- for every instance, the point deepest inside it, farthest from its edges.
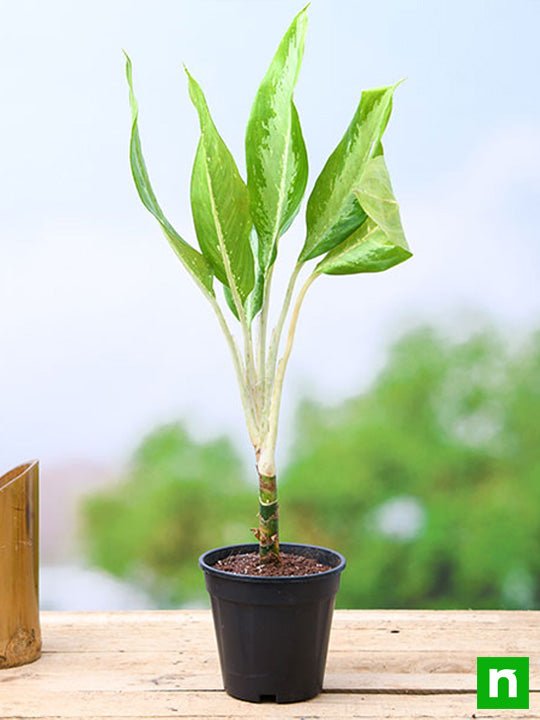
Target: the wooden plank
(481, 632)
(66, 703)
(353, 631)
(398, 664)
(362, 671)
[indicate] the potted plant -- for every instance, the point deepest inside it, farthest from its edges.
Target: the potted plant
(272, 602)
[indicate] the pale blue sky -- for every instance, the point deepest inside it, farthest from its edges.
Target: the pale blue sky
(103, 335)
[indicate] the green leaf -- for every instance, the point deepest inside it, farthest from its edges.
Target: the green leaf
(194, 262)
(333, 211)
(230, 301)
(379, 243)
(276, 158)
(220, 205)
(255, 299)
(253, 302)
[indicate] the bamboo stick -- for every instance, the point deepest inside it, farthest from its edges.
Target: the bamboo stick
(20, 635)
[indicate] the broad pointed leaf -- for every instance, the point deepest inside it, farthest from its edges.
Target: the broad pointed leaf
(230, 301)
(333, 211)
(255, 299)
(379, 243)
(194, 262)
(276, 157)
(253, 302)
(220, 205)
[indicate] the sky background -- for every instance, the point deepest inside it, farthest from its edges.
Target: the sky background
(102, 333)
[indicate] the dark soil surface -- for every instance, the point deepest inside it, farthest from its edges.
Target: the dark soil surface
(289, 565)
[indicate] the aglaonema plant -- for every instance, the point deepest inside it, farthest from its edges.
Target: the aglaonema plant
(352, 226)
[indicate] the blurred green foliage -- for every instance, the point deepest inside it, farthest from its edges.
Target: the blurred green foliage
(177, 499)
(429, 483)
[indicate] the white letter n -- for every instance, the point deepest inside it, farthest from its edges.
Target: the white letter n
(495, 676)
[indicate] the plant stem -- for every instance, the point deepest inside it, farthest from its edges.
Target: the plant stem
(276, 334)
(267, 461)
(249, 364)
(263, 327)
(251, 375)
(268, 531)
(245, 394)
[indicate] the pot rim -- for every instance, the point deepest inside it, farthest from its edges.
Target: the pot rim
(271, 579)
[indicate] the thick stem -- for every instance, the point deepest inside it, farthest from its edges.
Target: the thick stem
(267, 533)
(263, 328)
(266, 460)
(245, 394)
(276, 334)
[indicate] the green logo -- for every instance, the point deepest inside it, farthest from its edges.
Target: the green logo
(502, 682)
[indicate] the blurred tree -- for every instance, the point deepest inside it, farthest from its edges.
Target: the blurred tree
(168, 508)
(429, 483)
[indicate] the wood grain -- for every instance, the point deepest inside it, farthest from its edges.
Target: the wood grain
(382, 664)
(20, 639)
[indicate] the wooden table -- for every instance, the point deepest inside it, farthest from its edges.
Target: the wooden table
(382, 664)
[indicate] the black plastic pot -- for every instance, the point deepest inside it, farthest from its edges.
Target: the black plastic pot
(272, 632)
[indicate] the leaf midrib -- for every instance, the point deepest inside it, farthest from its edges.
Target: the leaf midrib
(281, 194)
(219, 231)
(343, 251)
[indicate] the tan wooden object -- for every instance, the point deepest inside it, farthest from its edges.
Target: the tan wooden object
(382, 664)
(20, 638)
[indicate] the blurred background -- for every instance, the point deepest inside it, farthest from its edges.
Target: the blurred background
(410, 431)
